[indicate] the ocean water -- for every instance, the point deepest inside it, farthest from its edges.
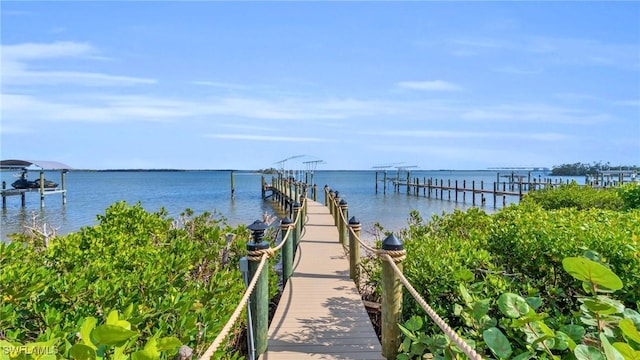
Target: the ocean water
(89, 193)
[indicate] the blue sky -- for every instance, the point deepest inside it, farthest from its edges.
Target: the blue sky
(242, 85)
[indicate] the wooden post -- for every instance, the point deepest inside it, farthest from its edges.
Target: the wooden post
(449, 188)
(376, 182)
(315, 192)
(287, 250)
(42, 188)
(4, 198)
(354, 250)
(473, 192)
(63, 182)
(336, 208)
(391, 301)
(298, 224)
(326, 195)
(342, 222)
(260, 296)
(233, 185)
(264, 187)
(456, 190)
(495, 193)
(408, 182)
(464, 191)
(384, 185)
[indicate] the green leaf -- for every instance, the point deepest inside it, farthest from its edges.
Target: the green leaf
(609, 351)
(414, 324)
(627, 351)
(82, 352)
(112, 318)
(168, 343)
(126, 314)
(85, 331)
(497, 342)
(534, 302)
(513, 305)
(468, 300)
(629, 330)
(480, 309)
(143, 355)
(407, 333)
(111, 334)
(524, 356)
(584, 352)
(575, 332)
(587, 270)
(600, 308)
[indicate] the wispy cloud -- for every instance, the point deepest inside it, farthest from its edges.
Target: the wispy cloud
(533, 113)
(266, 138)
(434, 85)
(452, 134)
(17, 69)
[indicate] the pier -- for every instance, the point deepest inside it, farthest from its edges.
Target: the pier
(24, 165)
(513, 185)
(320, 314)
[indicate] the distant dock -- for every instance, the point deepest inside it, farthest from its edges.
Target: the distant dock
(506, 185)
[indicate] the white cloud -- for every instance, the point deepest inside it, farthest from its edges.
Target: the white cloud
(58, 49)
(16, 69)
(453, 134)
(266, 138)
(435, 85)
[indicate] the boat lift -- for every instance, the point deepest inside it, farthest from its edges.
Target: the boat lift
(27, 165)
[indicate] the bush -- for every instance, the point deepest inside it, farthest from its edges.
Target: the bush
(165, 276)
(630, 195)
(575, 196)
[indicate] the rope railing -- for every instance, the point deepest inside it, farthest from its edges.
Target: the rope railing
(257, 255)
(236, 313)
(392, 256)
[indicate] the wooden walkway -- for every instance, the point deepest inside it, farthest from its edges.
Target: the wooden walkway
(321, 314)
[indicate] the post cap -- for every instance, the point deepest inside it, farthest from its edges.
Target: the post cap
(296, 205)
(337, 193)
(354, 221)
(392, 243)
(258, 225)
(286, 221)
(343, 202)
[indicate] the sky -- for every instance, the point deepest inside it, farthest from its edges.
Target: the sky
(245, 85)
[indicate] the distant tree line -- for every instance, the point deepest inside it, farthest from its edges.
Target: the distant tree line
(581, 169)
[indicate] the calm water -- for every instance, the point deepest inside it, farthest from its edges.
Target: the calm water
(90, 193)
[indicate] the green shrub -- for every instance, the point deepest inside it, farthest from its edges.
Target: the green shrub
(167, 273)
(575, 196)
(630, 195)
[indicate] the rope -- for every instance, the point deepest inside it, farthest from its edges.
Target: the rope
(472, 354)
(255, 255)
(396, 256)
(234, 317)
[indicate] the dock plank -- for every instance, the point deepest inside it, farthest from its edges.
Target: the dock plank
(321, 314)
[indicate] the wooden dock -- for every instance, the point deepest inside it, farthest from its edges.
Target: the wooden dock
(321, 314)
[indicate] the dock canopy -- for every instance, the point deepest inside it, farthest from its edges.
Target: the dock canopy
(37, 164)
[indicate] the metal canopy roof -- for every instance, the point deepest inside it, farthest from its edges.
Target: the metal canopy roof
(39, 164)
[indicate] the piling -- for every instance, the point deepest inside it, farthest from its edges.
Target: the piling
(342, 222)
(391, 301)
(354, 250)
(287, 250)
(260, 296)
(233, 186)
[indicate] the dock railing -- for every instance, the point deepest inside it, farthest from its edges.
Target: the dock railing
(258, 253)
(392, 254)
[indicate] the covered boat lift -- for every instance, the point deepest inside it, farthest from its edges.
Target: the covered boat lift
(36, 165)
